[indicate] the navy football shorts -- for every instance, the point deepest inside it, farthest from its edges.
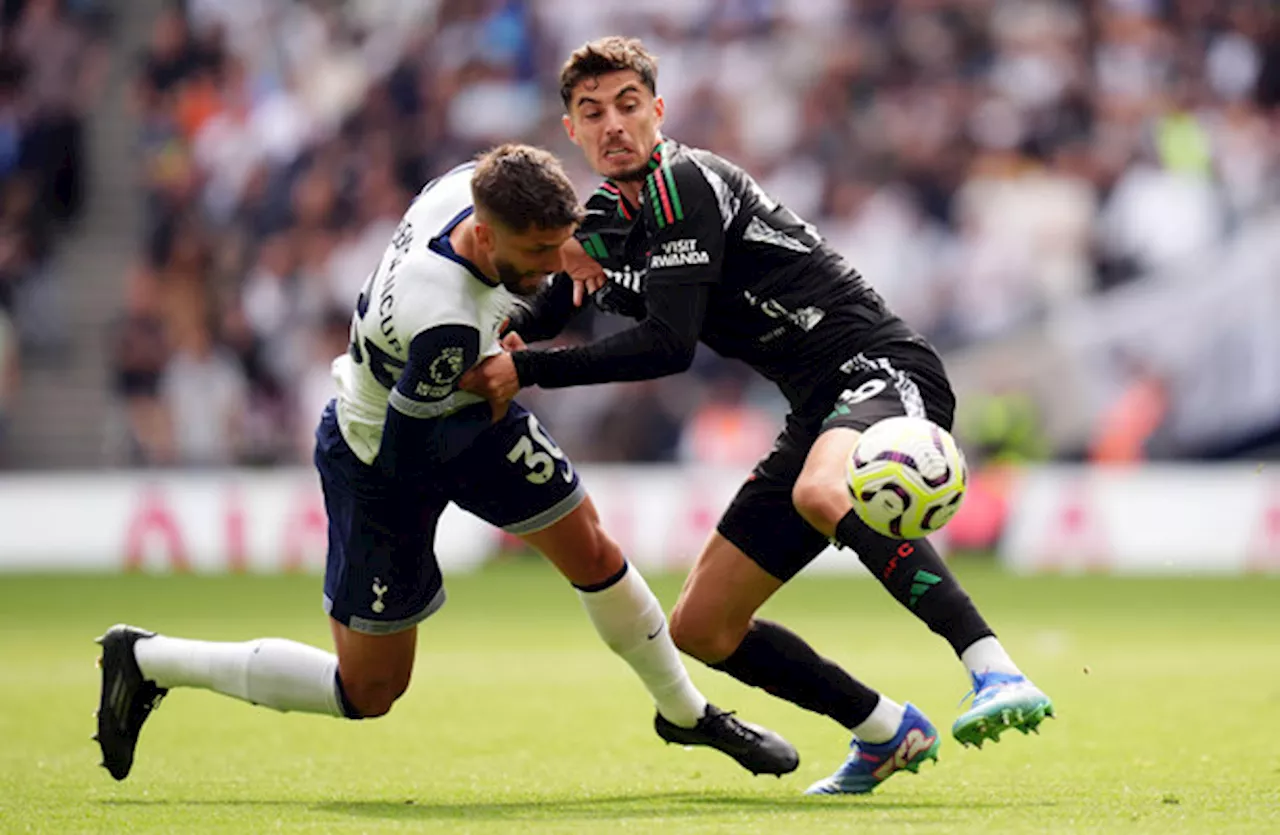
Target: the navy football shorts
(381, 573)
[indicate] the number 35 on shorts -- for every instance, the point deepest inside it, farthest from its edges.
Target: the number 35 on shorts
(538, 454)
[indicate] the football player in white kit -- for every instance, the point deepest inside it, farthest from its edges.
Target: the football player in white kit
(398, 444)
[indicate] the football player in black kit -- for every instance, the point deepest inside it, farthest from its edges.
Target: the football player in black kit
(688, 244)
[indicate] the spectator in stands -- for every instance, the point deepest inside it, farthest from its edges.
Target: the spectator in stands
(1001, 428)
(269, 407)
(1130, 423)
(638, 423)
(205, 396)
(25, 235)
(138, 435)
(65, 67)
(171, 58)
(725, 429)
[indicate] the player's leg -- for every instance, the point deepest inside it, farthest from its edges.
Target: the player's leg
(373, 670)
(759, 544)
(521, 481)
(141, 667)
(381, 579)
(912, 570)
(902, 567)
(915, 574)
(624, 611)
(715, 622)
(630, 620)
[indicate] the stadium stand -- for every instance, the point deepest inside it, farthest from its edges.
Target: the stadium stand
(985, 164)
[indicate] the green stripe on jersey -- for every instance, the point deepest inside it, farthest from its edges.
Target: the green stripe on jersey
(656, 201)
(671, 190)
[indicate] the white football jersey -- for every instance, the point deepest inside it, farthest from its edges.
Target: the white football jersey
(420, 284)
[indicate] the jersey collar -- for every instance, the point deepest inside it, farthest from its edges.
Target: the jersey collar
(658, 155)
(441, 245)
(625, 208)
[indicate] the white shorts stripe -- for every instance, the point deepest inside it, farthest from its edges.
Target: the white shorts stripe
(368, 626)
(433, 409)
(550, 516)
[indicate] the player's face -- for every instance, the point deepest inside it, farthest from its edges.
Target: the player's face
(615, 120)
(523, 260)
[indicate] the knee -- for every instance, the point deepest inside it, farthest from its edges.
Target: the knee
(371, 697)
(702, 635)
(820, 501)
(599, 559)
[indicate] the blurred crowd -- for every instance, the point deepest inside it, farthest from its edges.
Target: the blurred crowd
(50, 65)
(981, 162)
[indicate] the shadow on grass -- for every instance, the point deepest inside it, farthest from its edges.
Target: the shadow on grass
(618, 807)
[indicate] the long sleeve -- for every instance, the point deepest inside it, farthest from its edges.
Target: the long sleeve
(663, 344)
(685, 238)
(546, 314)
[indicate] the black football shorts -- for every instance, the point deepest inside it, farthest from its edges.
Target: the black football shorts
(891, 380)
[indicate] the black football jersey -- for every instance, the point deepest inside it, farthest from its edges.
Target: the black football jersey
(772, 293)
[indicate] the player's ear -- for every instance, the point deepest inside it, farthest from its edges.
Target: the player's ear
(568, 128)
(659, 109)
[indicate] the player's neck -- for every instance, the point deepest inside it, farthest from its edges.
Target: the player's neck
(630, 190)
(463, 240)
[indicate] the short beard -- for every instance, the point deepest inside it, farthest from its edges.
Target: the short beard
(635, 175)
(513, 280)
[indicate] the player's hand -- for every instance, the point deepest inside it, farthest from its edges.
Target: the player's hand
(512, 342)
(494, 379)
(587, 274)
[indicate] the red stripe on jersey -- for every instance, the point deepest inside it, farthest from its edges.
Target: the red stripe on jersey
(666, 198)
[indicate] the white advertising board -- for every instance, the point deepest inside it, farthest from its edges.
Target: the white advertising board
(274, 520)
(1148, 520)
(1161, 520)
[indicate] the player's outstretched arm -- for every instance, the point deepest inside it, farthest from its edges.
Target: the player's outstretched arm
(663, 344)
(546, 314)
(685, 231)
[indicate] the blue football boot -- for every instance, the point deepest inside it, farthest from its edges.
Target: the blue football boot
(869, 764)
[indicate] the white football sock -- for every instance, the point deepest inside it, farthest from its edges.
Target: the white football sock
(630, 620)
(273, 672)
(986, 655)
(882, 724)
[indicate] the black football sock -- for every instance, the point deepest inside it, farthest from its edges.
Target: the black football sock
(779, 662)
(917, 577)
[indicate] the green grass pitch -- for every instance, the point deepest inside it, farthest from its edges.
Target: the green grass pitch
(518, 720)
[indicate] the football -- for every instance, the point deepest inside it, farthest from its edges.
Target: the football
(907, 477)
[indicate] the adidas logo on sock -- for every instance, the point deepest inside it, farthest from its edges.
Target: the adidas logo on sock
(921, 583)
